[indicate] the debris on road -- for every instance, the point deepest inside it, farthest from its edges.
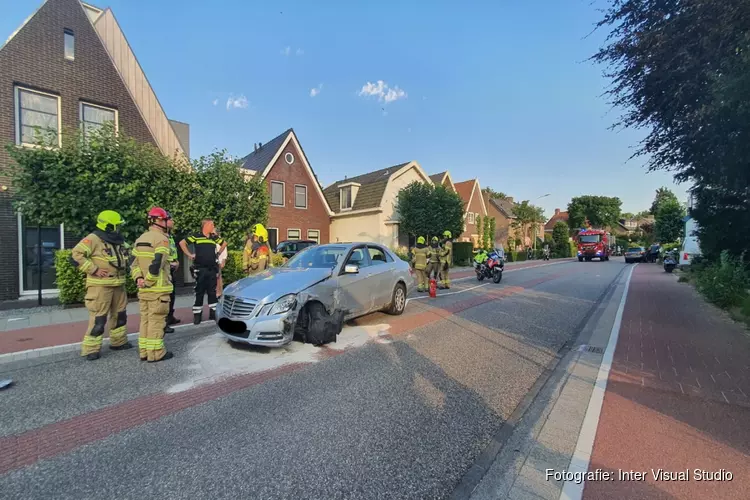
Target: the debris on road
(5, 384)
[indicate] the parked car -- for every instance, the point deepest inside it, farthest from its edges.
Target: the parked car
(352, 279)
(289, 248)
(635, 254)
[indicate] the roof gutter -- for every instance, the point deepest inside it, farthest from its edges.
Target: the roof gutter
(354, 213)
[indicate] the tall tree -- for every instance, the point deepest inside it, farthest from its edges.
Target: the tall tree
(560, 238)
(681, 70)
(663, 195)
(494, 194)
(599, 211)
(528, 219)
(669, 225)
(428, 210)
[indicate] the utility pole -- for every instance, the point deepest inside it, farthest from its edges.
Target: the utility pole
(534, 223)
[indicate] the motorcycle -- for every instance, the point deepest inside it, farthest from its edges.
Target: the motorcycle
(669, 263)
(492, 268)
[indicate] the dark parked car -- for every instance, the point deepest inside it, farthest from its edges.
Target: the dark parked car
(289, 248)
(635, 254)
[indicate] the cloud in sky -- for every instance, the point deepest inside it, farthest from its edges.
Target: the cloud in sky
(215, 102)
(384, 92)
(300, 52)
(239, 102)
(316, 90)
(287, 51)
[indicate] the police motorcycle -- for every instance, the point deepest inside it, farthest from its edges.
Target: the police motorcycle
(670, 261)
(489, 265)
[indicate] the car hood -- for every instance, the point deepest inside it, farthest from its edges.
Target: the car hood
(276, 282)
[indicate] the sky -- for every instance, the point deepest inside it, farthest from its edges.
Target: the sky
(497, 90)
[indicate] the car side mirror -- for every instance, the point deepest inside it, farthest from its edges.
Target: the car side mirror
(351, 269)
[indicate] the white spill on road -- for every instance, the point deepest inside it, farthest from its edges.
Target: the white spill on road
(213, 358)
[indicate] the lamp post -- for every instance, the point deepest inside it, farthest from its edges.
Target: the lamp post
(543, 196)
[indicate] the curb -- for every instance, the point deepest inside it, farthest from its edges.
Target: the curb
(43, 355)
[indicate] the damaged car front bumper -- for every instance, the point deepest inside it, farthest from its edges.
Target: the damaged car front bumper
(258, 322)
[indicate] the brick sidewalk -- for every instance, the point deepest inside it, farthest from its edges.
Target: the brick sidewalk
(677, 396)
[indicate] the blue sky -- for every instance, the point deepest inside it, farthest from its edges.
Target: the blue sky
(499, 90)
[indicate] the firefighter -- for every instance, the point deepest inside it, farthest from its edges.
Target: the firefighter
(433, 266)
(151, 271)
(446, 259)
(419, 258)
(207, 247)
(256, 256)
(174, 264)
(102, 256)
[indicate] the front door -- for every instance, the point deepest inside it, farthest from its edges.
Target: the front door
(354, 288)
(31, 271)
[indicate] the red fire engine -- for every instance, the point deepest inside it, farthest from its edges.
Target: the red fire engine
(593, 244)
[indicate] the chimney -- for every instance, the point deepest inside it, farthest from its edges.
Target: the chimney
(255, 147)
(557, 211)
(260, 145)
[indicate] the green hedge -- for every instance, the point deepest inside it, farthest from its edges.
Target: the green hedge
(72, 283)
(463, 253)
(233, 266)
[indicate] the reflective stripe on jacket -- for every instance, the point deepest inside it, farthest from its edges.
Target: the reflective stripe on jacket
(151, 262)
(93, 253)
(419, 258)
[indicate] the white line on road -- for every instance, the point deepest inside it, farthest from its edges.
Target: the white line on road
(573, 490)
(449, 293)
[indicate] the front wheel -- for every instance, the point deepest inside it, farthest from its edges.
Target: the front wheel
(580, 259)
(398, 301)
(480, 276)
(497, 275)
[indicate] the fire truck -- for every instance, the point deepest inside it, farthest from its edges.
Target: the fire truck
(593, 244)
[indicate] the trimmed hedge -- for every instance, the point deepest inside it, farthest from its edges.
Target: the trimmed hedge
(463, 253)
(72, 283)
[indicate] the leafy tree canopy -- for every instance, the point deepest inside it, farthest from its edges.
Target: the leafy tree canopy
(493, 193)
(600, 211)
(669, 226)
(663, 195)
(428, 210)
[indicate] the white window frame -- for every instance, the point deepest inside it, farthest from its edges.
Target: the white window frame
(21, 291)
(289, 238)
(81, 104)
(295, 196)
(70, 32)
(470, 218)
(283, 194)
(316, 238)
(269, 229)
(286, 158)
(341, 198)
(17, 105)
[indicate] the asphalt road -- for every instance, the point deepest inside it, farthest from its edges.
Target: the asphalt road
(399, 407)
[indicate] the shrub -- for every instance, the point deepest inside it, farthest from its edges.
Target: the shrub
(463, 253)
(72, 283)
(278, 260)
(402, 253)
(232, 267)
(725, 282)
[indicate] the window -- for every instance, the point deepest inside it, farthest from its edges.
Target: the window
(470, 218)
(273, 236)
(70, 45)
(37, 117)
(293, 234)
(277, 194)
(377, 256)
(358, 258)
(314, 235)
(346, 198)
(52, 240)
(289, 158)
(93, 117)
(300, 196)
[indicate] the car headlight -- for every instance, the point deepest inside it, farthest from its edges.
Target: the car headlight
(284, 304)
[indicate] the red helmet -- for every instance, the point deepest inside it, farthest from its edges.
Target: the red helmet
(158, 213)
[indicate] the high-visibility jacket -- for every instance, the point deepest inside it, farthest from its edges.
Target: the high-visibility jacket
(446, 254)
(172, 250)
(434, 254)
(94, 252)
(419, 258)
(150, 261)
(255, 257)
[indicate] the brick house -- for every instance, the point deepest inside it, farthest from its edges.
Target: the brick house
(298, 210)
(443, 179)
(68, 66)
(474, 207)
(558, 217)
(502, 210)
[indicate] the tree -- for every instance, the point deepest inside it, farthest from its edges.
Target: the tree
(681, 70)
(480, 230)
(560, 239)
(528, 217)
(490, 238)
(428, 210)
(600, 211)
(494, 194)
(669, 226)
(663, 195)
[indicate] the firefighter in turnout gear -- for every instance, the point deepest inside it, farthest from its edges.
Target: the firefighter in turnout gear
(256, 256)
(446, 259)
(433, 267)
(207, 246)
(102, 256)
(419, 258)
(150, 269)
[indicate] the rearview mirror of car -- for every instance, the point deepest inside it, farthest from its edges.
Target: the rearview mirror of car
(351, 269)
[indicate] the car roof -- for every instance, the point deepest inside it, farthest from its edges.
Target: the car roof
(298, 241)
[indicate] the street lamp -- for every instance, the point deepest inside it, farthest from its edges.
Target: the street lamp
(543, 196)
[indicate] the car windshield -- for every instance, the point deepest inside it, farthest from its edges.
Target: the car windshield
(635, 249)
(318, 257)
(590, 238)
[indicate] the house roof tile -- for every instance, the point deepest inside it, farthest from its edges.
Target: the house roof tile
(437, 178)
(562, 216)
(258, 160)
(370, 194)
(464, 190)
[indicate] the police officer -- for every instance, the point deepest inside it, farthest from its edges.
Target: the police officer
(101, 255)
(256, 256)
(205, 260)
(419, 258)
(150, 268)
(174, 264)
(433, 267)
(446, 259)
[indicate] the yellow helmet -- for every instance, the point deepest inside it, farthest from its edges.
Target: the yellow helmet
(420, 240)
(435, 239)
(447, 234)
(109, 221)
(260, 231)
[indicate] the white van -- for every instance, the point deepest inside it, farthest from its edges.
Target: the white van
(690, 245)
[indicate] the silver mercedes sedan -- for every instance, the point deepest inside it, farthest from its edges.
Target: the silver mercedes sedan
(343, 280)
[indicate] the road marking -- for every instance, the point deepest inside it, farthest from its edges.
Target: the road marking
(585, 445)
(725, 396)
(449, 293)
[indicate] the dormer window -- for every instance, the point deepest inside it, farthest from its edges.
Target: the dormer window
(346, 198)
